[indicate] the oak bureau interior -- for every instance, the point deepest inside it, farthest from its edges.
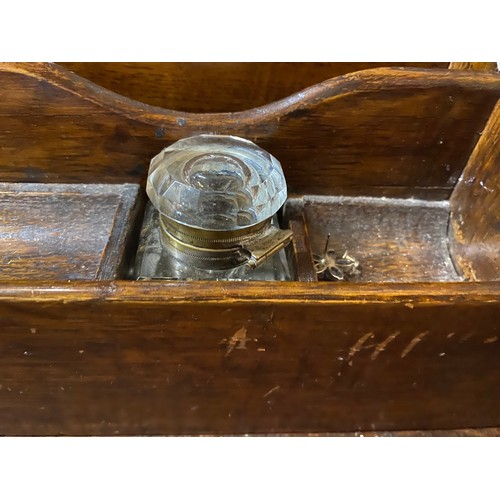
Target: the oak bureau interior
(397, 166)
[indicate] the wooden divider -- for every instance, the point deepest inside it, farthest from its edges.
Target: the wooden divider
(475, 209)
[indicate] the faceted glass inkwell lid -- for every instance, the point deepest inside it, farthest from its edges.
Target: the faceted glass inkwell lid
(216, 182)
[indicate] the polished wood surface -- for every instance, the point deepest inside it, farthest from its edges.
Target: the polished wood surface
(222, 358)
(381, 132)
(217, 87)
(475, 203)
(130, 358)
(475, 66)
(64, 231)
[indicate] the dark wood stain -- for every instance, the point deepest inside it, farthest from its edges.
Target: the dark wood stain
(481, 432)
(300, 250)
(218, 87)
(491, 67)
(160, 366)
(380, 132)
(57, 231)
(418, 349)
(475, 203)
(394, 240)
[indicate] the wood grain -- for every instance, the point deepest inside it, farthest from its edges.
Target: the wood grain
(299, 252)
(134, 358)
(475, 209)
(380, 132)
(147, 358)
(480, 432)
(64, 231)
(475, 66)
(217, 87)
(394, 240)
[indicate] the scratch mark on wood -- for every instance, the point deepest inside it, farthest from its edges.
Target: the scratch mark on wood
(467, 337)
(357, 346)
(450, 335)
(490, 340)
(271, 391)
(271, 317)
(381, 347)
(418, 338)
(237, 341)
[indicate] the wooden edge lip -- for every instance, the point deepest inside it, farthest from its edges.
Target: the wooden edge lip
(408, 294)
(364, 80)
(474, 66)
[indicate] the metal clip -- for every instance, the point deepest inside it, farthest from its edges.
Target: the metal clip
(266, 245)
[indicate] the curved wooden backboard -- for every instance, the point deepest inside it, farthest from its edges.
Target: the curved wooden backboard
(211, 87)
(381, 132)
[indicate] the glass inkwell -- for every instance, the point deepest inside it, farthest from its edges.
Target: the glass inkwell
(212, 213)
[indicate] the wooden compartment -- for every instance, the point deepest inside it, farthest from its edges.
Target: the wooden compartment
(394, 240)
(400, 165)
(66, 231)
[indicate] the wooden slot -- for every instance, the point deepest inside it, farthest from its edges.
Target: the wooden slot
(65, 231)
(299, 252)
(394, 240)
